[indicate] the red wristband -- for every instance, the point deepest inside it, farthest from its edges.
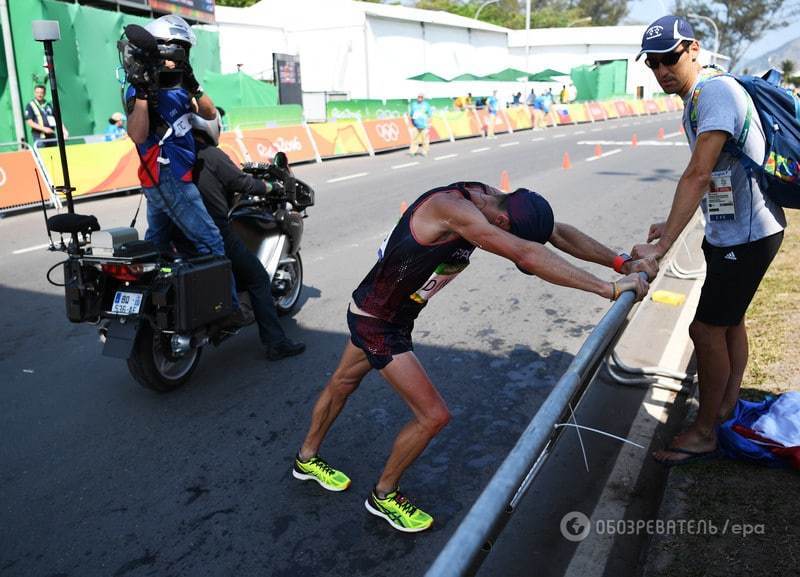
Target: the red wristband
(620, 260)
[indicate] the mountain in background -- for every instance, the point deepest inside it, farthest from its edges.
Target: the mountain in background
(773, 58)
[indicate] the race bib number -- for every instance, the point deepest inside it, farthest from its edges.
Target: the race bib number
(720, 197)
(440, 278)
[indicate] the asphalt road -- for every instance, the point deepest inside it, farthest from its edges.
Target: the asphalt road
(100, 477)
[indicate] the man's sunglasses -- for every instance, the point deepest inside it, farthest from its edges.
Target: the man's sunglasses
(668, 59)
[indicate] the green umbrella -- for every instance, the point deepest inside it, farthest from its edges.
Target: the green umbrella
(466, 76)
(428, 77)
(547, 75)
(507, 75)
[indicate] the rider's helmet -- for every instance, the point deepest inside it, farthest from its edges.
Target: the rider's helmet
(210, 128)
(175, 39)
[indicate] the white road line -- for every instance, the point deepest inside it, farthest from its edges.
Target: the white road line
(30, 249)
(482, 149)
(559, 136)
(626, 125)
(445, 156)
(537, 139)
(609, 153)
(348, 177)
(579, 132)
(406, 165)
(672, 134)
(596, 129)
(628, 143)
(504, 145)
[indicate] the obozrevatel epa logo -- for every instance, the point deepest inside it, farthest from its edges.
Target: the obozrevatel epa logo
(575, 526)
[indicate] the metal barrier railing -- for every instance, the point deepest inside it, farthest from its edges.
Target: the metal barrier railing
(474, 536)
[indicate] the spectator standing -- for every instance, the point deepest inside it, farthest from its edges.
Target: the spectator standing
(420, 113)
(40, 118)
(116, 127)
(491, 118)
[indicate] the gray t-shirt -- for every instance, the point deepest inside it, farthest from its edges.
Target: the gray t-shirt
(723, 105)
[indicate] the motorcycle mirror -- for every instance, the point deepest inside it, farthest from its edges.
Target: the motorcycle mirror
(280, 160)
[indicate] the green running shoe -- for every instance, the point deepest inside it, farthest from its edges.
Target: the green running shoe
(315, 469)
(399, 512)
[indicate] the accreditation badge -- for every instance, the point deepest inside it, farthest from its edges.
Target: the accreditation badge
(720, 197)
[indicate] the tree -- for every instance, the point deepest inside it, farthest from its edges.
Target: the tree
(603, 12)
(787, 67)
(740, 22)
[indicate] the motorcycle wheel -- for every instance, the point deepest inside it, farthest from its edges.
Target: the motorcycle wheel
(287, 303)
(154, 367)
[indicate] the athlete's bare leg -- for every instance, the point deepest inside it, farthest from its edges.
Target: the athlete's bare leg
(352, 368)
(409, 379)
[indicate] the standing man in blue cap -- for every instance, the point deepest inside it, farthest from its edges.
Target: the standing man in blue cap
(428, 248)
(744, 228)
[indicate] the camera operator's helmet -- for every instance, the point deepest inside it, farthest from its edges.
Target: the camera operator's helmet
(211, 128)
(172, 29)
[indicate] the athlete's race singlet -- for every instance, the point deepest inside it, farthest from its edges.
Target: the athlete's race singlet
(408, 273)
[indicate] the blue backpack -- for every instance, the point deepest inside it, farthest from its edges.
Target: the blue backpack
(779, 111)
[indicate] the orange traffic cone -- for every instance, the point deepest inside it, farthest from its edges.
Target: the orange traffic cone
(598, 150)
(504, 184)
(565, 163)
(403, 207)
(661, 133)
(634, 140)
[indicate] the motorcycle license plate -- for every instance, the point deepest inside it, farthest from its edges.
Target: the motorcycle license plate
(126, 303)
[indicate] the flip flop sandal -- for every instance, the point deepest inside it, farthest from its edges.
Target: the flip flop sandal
(693, 456)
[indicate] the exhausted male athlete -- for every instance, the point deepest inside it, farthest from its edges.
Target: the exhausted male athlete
(428, 247)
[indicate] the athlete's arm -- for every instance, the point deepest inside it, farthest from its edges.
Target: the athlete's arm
(572, 241)
(691, 188)
(467, 221)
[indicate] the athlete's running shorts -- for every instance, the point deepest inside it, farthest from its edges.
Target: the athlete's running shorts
(733, 274)
(379, 339)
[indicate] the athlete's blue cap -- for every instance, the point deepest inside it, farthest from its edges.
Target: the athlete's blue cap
(665, 34)
(530, 215)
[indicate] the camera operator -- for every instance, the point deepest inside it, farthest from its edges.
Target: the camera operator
(219, 180)
(159, 105)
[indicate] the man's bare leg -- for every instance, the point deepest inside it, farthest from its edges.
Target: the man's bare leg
(714, 373)
(408, 377)
(738, 353)
(352, 368)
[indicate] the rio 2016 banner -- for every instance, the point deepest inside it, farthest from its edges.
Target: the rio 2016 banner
(20, 180)
(339, 138)
(263, 143)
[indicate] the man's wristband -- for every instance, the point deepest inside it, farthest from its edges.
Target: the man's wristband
(620, 260)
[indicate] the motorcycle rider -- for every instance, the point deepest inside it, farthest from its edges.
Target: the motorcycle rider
(218, 179)
(158, 122)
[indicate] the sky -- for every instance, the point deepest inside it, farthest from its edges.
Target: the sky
(649, 10)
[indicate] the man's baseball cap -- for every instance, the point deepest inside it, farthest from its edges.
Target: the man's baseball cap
(665, 34)
(530, 215)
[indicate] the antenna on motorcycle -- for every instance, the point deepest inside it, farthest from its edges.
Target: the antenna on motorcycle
(44, 210)
(47, 32)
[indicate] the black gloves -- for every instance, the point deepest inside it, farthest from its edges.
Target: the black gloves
(189, 82)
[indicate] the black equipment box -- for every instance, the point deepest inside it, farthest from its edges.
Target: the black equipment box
(199, 290)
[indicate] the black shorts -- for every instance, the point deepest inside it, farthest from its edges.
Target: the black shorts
(733, 274)
(379, 339)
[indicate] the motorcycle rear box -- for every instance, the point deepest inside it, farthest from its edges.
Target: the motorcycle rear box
(202, 291)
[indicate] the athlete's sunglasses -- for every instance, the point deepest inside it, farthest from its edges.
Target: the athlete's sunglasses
(669, 59)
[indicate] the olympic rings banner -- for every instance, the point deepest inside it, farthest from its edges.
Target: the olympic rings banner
(18, 180)
(387, 133)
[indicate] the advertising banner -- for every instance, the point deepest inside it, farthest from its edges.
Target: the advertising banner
(438, 129)
(519, 117)
(611, 110)
(96, 167)
(263, 143)
(339, 138)
(562, 114)
(287, 76)
(202, 10)
(233, 147)
(18, 180)
(387, 133)
(596, 111)
(623, 108)
(463, 124)
(651, 107)
(578, 113)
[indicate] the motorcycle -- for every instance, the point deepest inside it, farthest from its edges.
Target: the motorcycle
(159, 310)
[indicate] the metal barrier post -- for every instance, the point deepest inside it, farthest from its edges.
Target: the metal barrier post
(513, 476)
